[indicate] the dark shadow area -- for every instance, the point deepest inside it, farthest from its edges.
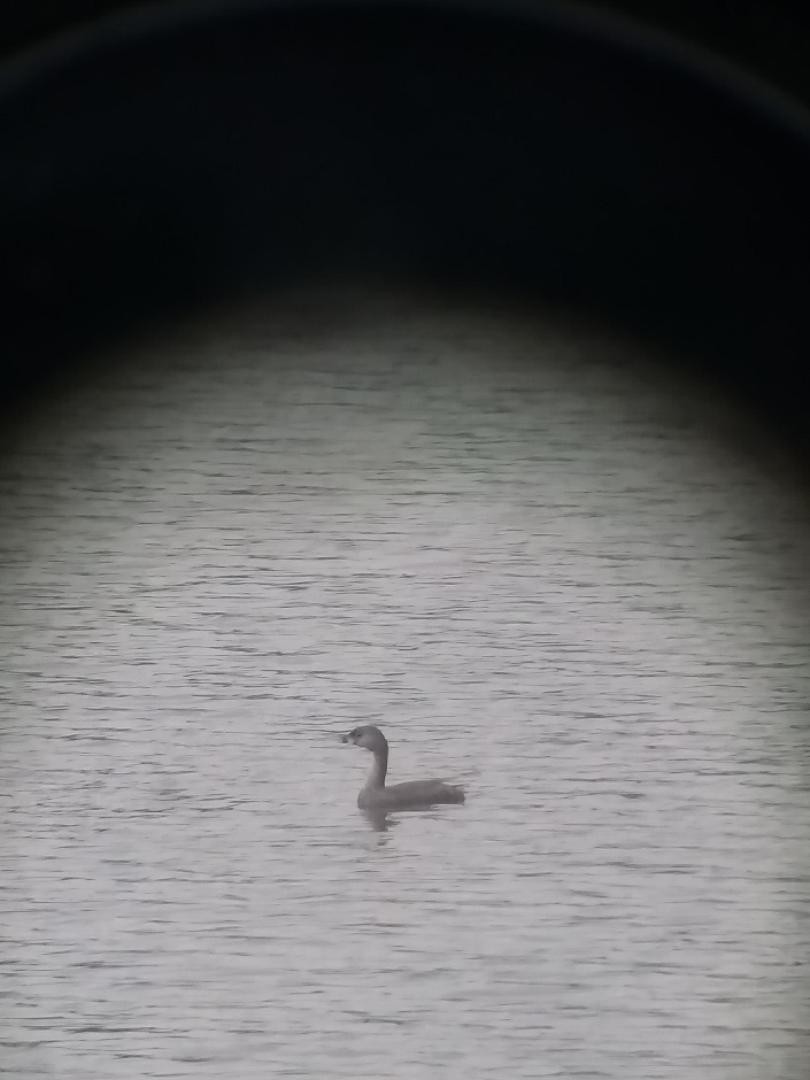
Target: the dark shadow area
(768, 37)
(168, 165)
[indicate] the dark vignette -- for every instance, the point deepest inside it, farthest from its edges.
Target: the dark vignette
(160, 162)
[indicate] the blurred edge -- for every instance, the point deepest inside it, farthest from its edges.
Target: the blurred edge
(518, 151)
(766, 37)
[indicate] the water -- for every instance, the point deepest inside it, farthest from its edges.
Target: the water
(538, 566)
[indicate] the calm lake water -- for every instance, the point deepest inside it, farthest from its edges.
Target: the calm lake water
(544, 569)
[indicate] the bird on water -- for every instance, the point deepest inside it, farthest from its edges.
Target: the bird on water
(412, 795)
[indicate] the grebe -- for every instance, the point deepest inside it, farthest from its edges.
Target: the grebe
(412, 795)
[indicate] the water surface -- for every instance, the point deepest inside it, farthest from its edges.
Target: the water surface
(543, 569)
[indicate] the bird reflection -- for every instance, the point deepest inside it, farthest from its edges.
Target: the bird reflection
(379, 820)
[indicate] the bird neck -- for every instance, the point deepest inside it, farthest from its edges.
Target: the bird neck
(376, 778)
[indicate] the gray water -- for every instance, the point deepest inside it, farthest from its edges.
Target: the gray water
(545, 570)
